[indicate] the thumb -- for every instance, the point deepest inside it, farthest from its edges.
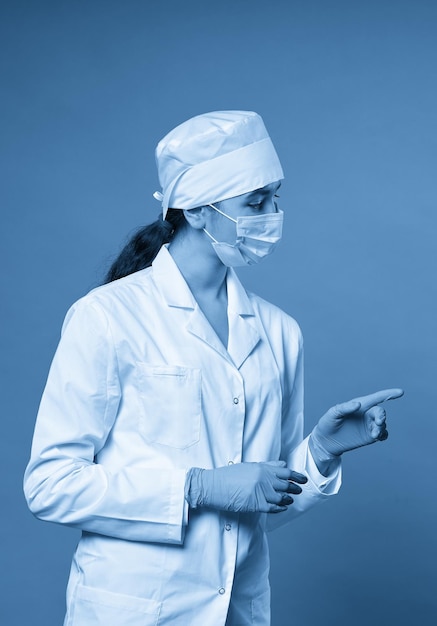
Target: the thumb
(339, 411)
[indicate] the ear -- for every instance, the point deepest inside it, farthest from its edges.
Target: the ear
(196, 218)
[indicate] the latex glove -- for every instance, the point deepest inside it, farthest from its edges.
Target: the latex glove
(243, 487)
(353, 424)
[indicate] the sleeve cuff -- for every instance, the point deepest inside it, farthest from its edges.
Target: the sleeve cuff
(328, 485)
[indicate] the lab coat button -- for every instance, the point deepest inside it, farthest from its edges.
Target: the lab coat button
(228, 527)
(221, 591)
(236, 400)
(230, 462)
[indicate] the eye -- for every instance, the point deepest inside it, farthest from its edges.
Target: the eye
(256, 205)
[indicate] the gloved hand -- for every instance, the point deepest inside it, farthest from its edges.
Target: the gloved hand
(243, 487)
(353, 424)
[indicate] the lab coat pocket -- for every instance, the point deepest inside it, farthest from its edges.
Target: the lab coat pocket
(103, 608)
(170, 404)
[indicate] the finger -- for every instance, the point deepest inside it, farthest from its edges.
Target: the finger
(378, 433)
(292, 488)
(377, 415)
(375, 431)
(276, 509)
(297, 477)
(268, 507)
(384, 435)
(339, 411)
(286, 486)
(376, 398)
(280, 499)
(288, 474)
(280, 505)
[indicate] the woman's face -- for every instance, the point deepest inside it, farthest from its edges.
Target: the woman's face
(257, 202)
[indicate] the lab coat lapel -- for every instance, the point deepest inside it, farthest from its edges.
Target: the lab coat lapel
(177, 294)
(199, 326)
(243, 329)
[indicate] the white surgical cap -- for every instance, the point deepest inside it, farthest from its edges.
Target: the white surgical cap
(213, 157)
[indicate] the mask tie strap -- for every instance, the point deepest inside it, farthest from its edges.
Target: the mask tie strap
(221, 213)
(210, 236)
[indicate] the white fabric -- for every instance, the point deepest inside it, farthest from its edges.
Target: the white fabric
(256, 236)
(140, 390)
(215, 156)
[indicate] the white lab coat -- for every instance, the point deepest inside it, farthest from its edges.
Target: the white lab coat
(140, 390)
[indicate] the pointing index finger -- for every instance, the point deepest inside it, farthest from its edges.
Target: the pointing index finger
(379, 396)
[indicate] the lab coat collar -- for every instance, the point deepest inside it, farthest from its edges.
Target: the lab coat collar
(177, 293)
(170, 281)
(243, 328)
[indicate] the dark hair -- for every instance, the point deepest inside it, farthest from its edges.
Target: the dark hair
(145, 244)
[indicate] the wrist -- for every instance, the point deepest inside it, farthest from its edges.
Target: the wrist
(325, 461)
(193, 487)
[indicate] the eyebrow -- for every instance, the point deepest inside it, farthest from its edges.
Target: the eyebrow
(262, 191)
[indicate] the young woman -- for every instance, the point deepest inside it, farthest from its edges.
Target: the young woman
(171, 427)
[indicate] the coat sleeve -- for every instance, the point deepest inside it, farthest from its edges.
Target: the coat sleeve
(295, 450)
(63, 482)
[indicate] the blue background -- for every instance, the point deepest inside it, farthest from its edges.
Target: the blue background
(348, 92)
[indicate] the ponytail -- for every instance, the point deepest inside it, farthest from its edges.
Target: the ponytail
(144, 245)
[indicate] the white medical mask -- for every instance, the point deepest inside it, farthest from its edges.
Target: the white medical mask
(257, 236)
